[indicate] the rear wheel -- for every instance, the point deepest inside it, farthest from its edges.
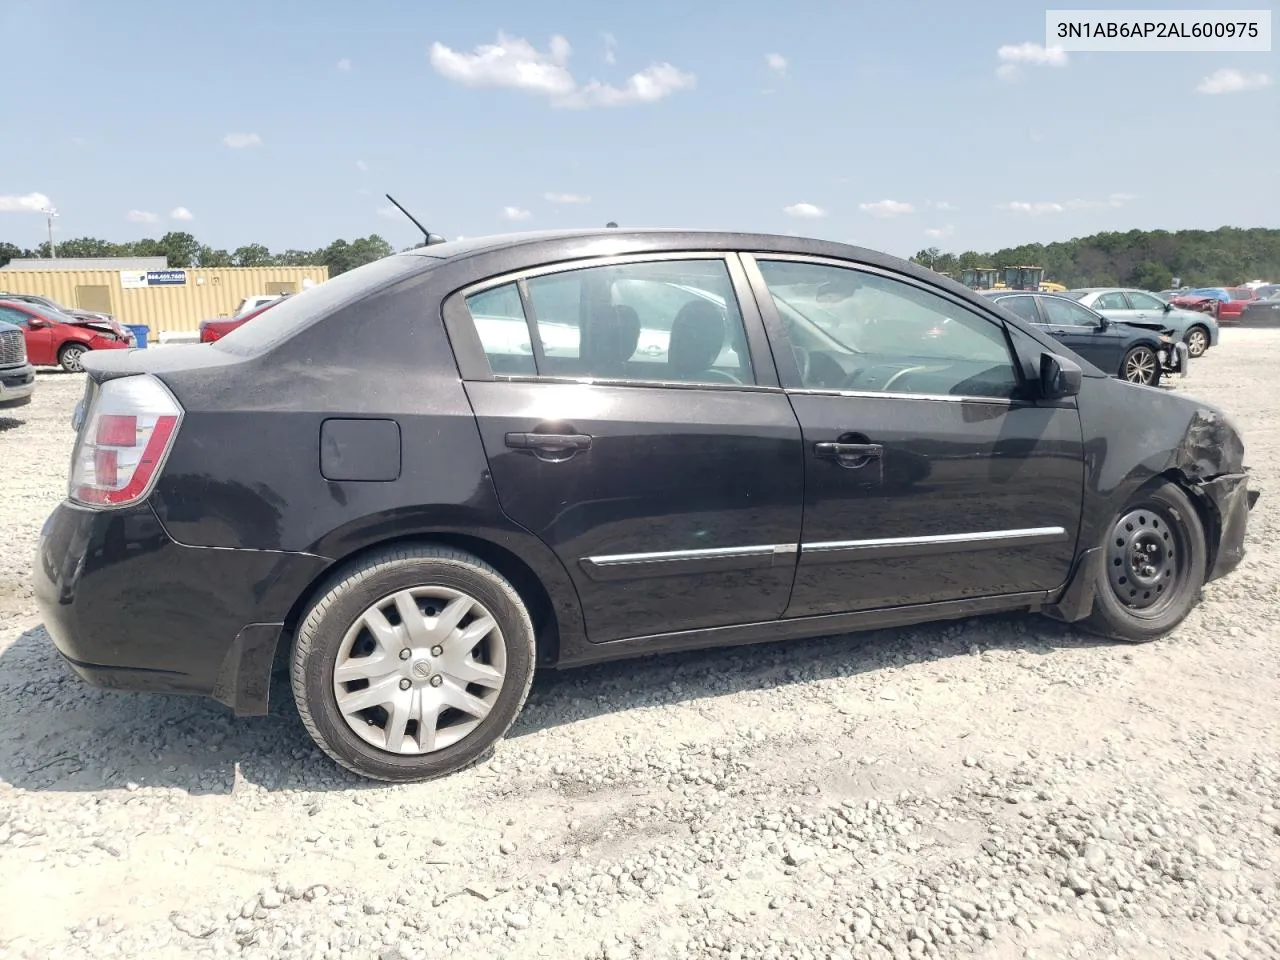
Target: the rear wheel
(411, 664)
(1155, 559)
(1197, 341)
(71, 357)
(1141, 365)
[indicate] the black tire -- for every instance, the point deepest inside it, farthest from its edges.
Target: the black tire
(1131, 603)
(1141, 365)
(345, 598)
(1197, 340)
(70, 357)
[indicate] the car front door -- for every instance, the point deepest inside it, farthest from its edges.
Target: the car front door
(929, 475)
(1084, 331)
(633, 420)
(39, 339)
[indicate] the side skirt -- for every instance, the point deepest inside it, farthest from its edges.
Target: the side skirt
(800, 628)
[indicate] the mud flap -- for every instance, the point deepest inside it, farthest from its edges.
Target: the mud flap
(1076, 601)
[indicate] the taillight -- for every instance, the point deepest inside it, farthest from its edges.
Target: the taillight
(123, 442)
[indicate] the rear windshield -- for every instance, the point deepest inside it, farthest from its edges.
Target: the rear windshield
(301, 309)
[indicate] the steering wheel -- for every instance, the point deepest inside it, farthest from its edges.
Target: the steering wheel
(720, 376)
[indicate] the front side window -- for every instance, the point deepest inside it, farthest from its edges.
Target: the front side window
(671, 320)
(1067, 313)
(1144, 301)
(859, 331)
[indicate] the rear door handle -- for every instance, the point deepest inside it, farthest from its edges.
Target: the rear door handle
(549, 442)
(849, 451)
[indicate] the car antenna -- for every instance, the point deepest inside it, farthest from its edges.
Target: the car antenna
(430, 237)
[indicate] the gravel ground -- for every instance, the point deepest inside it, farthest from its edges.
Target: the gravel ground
(1002, 787)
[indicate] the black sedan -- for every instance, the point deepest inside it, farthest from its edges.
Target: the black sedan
(1137, 352)
(1261, 313)
(416, 481)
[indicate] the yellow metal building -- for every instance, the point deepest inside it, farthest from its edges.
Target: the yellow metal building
(169, 306)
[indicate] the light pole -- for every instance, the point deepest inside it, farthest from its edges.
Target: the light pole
(51, 214)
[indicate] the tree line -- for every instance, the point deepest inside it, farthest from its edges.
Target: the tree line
(1147, 259)
(184, 251)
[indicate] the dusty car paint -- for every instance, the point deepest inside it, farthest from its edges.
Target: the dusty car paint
(243, 525)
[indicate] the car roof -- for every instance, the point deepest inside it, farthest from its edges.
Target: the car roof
(690, 237)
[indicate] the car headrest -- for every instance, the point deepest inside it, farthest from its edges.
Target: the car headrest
(697, 337)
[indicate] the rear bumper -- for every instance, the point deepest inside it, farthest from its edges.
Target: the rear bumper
(131, 609)
(17, 384)
(1232, 500)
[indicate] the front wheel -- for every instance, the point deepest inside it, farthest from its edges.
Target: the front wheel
(1141, 365)
(1197, 341)
(1155, 557)
(71, 357)
(412, 663)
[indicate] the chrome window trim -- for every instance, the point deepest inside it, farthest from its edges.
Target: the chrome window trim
(989, 536)
(882, 395)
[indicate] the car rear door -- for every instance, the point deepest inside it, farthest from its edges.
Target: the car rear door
(928, 477)
(633, 420)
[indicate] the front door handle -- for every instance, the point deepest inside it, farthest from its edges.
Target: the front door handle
(849, 454)
(560, 443)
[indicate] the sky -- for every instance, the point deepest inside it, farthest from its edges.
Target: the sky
(894, 126)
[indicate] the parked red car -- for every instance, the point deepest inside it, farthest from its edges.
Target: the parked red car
(211, 330)
(55, 339)
(1229, 310)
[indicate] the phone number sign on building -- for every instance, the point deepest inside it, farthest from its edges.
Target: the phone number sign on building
(133, 279)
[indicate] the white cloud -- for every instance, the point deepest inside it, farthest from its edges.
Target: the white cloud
(937, 233)
(943, 205)
(362, 166)
(345, 64)
(388, 211)
(777, 63)
(610, 49)
(26, 203)
(141, 216)
(1013, 56)
(886, 208)
(566, 198)
(1034, 209)
(515, 213)
(181, 213)
(1227, 80)
(1041, 207)
(514, 63)
(238, 141)
(805, 210)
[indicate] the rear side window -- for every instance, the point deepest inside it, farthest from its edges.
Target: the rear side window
(1111, 301)
(1024, 307)
(670, 320)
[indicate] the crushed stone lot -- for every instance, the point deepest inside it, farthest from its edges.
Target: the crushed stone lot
(1002, 787)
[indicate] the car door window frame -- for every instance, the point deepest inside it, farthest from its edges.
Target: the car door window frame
(789, 368)
(1133, 305)
(473, 364)
(1071, 307)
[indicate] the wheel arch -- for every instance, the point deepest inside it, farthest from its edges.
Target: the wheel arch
(547, 620)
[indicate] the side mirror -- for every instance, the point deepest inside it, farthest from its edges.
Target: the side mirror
(1103, 322)
(35, 323)
(1168, 307)
(1059, 377)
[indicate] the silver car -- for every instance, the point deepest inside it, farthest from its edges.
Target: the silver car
(1199, 331)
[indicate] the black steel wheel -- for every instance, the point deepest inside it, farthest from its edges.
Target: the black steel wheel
(1154, 560)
